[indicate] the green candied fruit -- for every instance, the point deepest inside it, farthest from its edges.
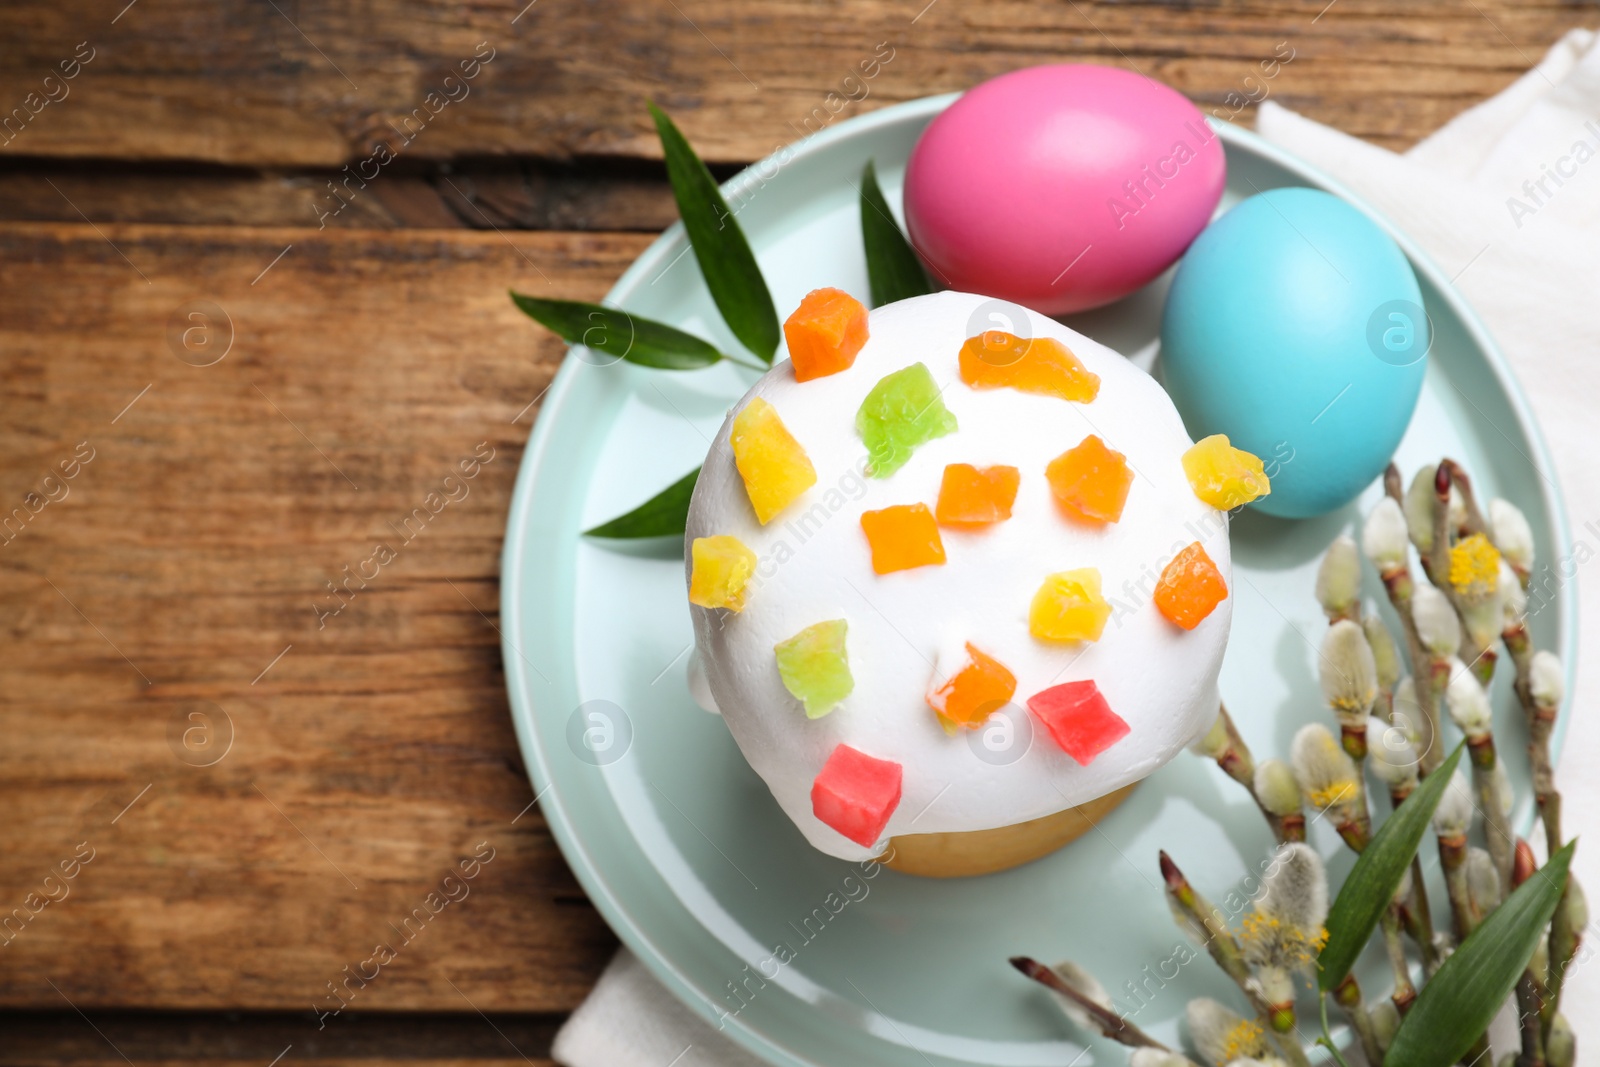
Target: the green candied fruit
(903, 410)
(815, 668)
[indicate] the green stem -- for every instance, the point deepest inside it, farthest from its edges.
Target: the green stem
(1564, 942)
(1400, 587)
(1541, 721)
(1496, 827)
(1405, 992)
(1530, 1009)
(1453, 858)
(1326, 1040)
(749, 366)
(1418, 916)
(1420, 919)
(1348, 995)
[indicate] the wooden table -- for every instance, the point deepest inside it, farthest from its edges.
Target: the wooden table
(231, 369)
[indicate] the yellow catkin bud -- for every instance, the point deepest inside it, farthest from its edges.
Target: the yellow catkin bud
(1474, 566)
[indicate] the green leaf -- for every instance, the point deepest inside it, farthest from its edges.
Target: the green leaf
(725, 259)
(893, 269)
(1459, 1001)
(664, 515)
(615, 333)
(1376, 875)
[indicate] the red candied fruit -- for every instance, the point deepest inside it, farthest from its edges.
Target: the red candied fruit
(1077, 717)
(855, 794)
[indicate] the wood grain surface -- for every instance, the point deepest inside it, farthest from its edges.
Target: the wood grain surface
(198, 114)
(216, 796)
(230, 1039)
(208, 510)
(287, 84)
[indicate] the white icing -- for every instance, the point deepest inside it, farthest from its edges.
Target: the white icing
(699, 687)
(815, 565)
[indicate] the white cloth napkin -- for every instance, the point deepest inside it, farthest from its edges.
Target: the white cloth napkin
(1527, 258)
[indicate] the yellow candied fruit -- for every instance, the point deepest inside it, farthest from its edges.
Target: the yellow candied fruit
(1474, 566)
(722, 567)
(1069, 607)
(1223, 476)
(774, 467)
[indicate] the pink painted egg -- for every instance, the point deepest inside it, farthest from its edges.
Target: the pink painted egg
(1061, 187)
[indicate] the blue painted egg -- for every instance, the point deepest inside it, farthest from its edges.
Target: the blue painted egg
(1295, 326)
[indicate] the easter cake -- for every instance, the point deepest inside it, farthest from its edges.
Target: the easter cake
(956, 591)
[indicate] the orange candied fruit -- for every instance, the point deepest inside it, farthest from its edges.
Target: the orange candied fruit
(976, 496)
(825, 333)
(902, 537)
(1041, 365)
(978, 690)
(1191, 587)
(1090, 481)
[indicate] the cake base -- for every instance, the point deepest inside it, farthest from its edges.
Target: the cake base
(957, 855)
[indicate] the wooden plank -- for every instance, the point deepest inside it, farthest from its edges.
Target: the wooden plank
(177, 194)
(193, 1039)
(181, 570)
(515, 195)
(292, 84)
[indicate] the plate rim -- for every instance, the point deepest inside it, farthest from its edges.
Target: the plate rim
(671, 243)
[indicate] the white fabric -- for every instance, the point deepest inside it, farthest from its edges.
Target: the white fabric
(1533, 274)
(630, 1020)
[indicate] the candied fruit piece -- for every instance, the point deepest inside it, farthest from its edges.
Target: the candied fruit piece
(1069, 607)
(825, 333)
(774, 467)
(855, 794)
(815, 667)
(1223, 476)
(1041, 365)
(904, 410)
(1191, 587)
(974, 692)
(902, 536)
(976, 496)
(722, 566)
(1090, 481)
(1077, 718)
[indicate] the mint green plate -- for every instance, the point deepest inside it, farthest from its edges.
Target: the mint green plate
(677, 841)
